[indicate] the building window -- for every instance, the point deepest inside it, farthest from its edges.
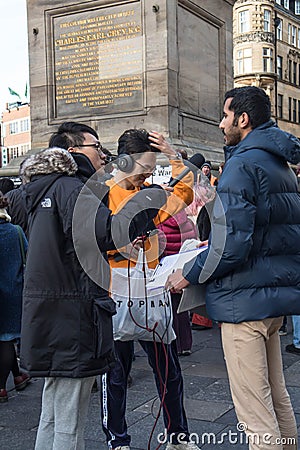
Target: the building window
(13, 151)
(267, 59)
(278, 1)
(286, 4)
(240, 62)
(290, 70)
(280, 106)
(244, 21)
(267, 20)
(290, 109)
(294, 34)
(279, 67)
(24, 149)
(279, 30)
(297, 7)
(13, 128)
(294, 72)
(298, 111)
(24, 125)
(298, 37)
(294, 110)
(244, 61)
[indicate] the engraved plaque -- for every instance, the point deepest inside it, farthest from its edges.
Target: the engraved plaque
(97, 61)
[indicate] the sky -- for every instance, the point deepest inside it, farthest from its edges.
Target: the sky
(14, 50)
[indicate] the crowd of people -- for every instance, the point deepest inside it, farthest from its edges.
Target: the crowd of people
(81, 213)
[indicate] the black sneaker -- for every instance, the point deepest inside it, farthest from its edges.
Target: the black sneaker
(282, 330)
(292, 349)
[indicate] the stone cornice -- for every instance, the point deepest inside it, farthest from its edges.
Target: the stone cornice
(241, 2)
(255, 36)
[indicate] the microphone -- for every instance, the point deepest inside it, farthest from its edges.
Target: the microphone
(179, 177)
(197, 160)
(193, 164)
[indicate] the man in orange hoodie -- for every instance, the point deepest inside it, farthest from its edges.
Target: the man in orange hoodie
(137, 161)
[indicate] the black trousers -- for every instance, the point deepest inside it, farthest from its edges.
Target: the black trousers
(114, 391)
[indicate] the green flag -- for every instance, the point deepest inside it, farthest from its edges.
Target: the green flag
(12, 92)
(26, 90)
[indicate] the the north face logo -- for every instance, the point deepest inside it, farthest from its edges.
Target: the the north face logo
(46, 203)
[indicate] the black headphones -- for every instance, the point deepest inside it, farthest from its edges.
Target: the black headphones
(137, 139)
(124, 162)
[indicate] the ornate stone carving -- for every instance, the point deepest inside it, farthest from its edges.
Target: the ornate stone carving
(294, 53)
(255, 36)
(241, 2)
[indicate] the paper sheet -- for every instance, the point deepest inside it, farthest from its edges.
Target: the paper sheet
(169, 264)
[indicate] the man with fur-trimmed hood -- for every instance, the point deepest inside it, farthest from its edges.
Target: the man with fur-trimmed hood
(67, 313)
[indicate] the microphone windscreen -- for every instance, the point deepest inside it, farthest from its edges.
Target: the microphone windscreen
(197, 160)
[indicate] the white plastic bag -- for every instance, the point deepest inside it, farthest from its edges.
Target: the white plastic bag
(141, 314)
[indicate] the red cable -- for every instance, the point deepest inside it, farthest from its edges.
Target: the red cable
(163, 384)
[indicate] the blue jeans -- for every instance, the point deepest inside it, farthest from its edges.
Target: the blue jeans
(296, 331)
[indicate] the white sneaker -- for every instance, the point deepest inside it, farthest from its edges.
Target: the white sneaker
(123, 447)
(187, 446)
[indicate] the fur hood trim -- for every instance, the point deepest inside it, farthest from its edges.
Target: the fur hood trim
(50, 160)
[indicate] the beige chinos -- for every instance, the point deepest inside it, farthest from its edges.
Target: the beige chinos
(254, 364)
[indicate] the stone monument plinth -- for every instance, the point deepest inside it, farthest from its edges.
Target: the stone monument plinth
(115, 65)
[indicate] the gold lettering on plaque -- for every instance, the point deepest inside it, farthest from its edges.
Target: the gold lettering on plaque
(99, 60)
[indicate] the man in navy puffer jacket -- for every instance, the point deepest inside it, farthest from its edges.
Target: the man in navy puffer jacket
(252, 264)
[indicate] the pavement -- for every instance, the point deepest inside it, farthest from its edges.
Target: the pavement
(208, 403)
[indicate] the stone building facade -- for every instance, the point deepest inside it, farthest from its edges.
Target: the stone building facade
(266, 53)
(115, 65)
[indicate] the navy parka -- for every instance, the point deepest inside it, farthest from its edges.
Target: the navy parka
(252, 265)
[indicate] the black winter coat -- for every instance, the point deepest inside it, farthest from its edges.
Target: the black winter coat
(16, 208)
(67, 313)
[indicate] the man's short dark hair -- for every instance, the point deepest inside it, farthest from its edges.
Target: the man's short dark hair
(70, 134)
(135, 141)
(251, 100)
